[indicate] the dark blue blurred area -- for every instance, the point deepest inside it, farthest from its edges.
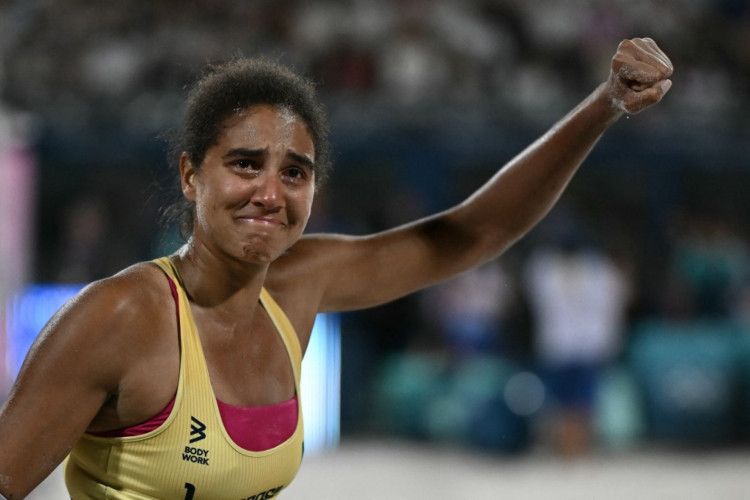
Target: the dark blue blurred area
(427, 99)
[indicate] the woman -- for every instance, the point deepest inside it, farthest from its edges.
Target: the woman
(179, 378)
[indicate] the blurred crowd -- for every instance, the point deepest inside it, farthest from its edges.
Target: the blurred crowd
(128, 62)
(651, 232)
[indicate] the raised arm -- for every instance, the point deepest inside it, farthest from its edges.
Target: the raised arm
(365, 271)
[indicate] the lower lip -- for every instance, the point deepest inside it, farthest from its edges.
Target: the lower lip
(261, 222)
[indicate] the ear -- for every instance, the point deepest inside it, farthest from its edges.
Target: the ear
(187, 177)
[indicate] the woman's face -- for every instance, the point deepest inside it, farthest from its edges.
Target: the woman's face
(254, 191)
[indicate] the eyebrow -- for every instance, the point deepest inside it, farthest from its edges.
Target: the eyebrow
(240, 152)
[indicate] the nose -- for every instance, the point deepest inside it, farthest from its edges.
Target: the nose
(267, 192)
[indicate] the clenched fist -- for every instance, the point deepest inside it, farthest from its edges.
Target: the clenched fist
(639, 76)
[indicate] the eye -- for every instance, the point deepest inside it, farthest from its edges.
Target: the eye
(244, 163)
(295, 174)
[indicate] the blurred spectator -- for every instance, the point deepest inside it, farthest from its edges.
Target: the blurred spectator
(413, 67)
(712, 263)
(469, 311)
(84, 241)
(578, 298)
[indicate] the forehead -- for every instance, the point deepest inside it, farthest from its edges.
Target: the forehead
(265, 126)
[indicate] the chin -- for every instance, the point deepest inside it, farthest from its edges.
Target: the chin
(255, 255)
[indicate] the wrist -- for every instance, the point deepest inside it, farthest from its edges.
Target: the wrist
(605, 104)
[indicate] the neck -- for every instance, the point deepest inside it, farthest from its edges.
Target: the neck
(218, 281)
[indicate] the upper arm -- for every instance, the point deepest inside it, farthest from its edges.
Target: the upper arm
(64, 381)
(355, 272)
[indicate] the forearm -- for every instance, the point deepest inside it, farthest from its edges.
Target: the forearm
(527, 187)
(524, 190)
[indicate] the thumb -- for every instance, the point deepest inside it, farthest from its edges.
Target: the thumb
(637, 100)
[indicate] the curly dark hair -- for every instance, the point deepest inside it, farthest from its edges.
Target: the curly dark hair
(232, 87)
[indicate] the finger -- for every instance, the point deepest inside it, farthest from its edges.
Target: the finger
(643, 50)
(650, 53)
(656, 51)
(660, 89)
(639, 58)
(630, 69)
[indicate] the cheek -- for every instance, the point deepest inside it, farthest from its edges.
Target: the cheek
(303, 206)
(210, 197)
(216, 193)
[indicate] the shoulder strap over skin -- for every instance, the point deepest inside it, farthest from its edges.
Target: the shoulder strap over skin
(168, 267)
(285, 328)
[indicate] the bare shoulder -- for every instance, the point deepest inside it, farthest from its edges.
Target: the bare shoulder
(92, 344)
(118, 312)
(137, 289)
(133, 293)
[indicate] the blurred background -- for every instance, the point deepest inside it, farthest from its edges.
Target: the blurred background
(618, 328)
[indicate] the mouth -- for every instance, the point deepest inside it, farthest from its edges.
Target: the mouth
(260, 221)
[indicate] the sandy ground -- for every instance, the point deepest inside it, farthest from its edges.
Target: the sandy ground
(364, 470)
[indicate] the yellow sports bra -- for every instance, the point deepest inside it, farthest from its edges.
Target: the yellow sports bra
(190, 456)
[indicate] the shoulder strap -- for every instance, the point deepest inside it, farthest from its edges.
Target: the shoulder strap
(166, 264)
(285, 329)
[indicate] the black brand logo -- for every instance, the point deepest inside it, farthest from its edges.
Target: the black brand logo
(196, 429)
(191, 453)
